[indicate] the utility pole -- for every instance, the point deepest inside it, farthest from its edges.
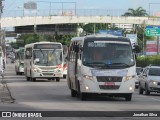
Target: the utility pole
(157, 45)
(1, 11)
(2, 38)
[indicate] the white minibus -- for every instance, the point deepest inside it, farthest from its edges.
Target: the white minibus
(43, 60)
(101, 65)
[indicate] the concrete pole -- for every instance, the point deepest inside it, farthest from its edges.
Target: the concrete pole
(157, 45)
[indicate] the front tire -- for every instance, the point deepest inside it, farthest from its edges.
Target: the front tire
(73, 93)
(28, 78)
(33, 79)
(57, 79)
(128, 97)
(80, 94)
(17, 73)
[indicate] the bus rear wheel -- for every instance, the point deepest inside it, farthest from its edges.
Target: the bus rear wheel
(28, 78)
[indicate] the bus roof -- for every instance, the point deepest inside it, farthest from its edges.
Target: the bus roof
(42, 42)
(97, 36)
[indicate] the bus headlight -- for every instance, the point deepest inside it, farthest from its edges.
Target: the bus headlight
(129, 78)
(88, 77)
(58, 71)
(36, 69)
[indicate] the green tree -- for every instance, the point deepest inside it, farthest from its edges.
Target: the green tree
(14, 45)
(136, 12)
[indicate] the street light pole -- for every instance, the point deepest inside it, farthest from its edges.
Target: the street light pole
(1, 11)
(150, 7)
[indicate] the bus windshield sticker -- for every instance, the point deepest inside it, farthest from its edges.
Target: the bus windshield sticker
(92, 44)
(47, 46)
(116, 42)
(109, 72)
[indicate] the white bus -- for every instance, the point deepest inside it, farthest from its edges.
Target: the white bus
(101, 65)
(19, 61)
(43, 60)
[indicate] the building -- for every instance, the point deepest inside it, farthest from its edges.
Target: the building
(127, 27)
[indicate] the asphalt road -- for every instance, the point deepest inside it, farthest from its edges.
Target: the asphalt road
(44, 95)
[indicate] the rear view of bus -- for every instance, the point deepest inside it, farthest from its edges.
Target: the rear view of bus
(19, 61)
(101, 66)
(44, 60)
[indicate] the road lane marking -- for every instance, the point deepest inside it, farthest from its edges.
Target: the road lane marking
(155, 99)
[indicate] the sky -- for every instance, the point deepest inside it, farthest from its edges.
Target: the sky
(11, 5)
(15, 7)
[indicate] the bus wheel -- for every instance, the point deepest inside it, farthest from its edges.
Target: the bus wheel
(57, 79)
(128, 97)
(33, 79)
(80, 94)
(73, 93)
(27, 78)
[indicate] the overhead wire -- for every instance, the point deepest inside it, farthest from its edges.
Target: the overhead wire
(13, 2)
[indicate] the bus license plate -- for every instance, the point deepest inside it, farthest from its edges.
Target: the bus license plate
(109, 83)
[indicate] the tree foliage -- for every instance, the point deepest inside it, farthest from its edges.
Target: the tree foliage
(136, 12)
(37, 37)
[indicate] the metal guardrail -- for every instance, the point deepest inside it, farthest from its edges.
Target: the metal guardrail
(64, 12)
(67, 12)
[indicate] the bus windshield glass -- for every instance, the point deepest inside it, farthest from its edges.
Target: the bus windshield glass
(21, 54)
(47, 57)
(107, 54)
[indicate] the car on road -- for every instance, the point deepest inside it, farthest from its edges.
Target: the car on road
(150, 80)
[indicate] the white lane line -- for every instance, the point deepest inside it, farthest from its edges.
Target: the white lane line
(14, 76)
(155, 99)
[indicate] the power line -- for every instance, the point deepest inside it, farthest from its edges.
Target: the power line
(9, 8)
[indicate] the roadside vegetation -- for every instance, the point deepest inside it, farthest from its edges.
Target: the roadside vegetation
(144, 61)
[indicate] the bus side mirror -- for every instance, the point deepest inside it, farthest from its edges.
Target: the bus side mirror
(36, 60)
(137, 49)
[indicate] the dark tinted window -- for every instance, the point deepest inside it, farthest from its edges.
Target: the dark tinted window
(154, 71)
(138, 70)
(47, 46)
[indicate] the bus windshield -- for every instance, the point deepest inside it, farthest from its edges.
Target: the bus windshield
(107, 54)
(21, 54)
(47, 57)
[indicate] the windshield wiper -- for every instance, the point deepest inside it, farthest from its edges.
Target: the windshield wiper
(97, 64)
(122, 64)
(42, 52)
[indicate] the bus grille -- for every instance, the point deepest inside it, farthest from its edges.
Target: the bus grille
(109, 87)
(47, 73)
(47, 68)
(109, 79)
